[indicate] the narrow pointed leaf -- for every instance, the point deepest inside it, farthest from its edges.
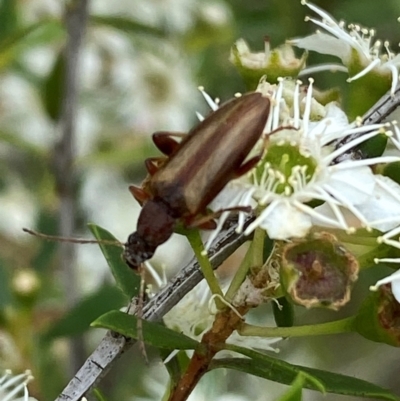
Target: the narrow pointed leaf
(127, 280)
(153, 333)
(53, 89)
(39, 32)
(283, 372)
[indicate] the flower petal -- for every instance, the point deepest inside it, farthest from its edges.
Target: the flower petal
(286, 221)
(325, 44)
(382, 208)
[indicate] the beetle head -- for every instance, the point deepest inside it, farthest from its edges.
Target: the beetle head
(137, 250)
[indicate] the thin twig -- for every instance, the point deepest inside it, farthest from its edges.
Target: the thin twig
(383, 108)
(64, 153)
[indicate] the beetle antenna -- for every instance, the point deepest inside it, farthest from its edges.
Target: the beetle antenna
(72, 240)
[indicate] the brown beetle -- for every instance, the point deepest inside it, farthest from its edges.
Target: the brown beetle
(181, 186)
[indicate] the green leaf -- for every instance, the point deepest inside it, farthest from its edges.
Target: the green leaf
(127, 280)
(53, 89)
(10, 44)
(283, 372)
(79, 318)
(153, 333)
(126, 25)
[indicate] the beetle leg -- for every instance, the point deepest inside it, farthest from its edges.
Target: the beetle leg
(203, 224)
(152, 164)
(139, 194)
(207, 222)
(247, 166)
(165, 143)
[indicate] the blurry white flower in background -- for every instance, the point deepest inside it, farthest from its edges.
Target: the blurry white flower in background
(10, 356)
(174, 15)
(16, 212)
(11, 386)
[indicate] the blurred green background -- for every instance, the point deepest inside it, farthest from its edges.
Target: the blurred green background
(141, 63)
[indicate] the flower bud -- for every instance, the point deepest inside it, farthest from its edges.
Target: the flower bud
(318, 271)
(280, 62)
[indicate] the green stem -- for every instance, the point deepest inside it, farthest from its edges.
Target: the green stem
(339, 326)
(258, 247)
(205, 266)
(253, 257)
(239, 276)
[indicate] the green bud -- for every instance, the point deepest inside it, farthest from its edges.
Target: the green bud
(379, 317)
(280, 62)
(318, 271)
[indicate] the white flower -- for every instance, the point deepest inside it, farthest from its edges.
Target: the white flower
(297, 168)
(342, 43)
(12, 386)
(193, 316)
(393, 279)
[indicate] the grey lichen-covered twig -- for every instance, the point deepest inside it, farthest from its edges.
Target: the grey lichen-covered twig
(112, 346)
(378, 113)
(383, 108)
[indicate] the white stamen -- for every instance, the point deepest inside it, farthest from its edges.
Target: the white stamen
(366, 70)
(296, 103)
(211, 103)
